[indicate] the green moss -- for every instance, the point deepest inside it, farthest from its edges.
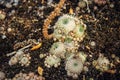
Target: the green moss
(75, 64)
(68, 40)
(81, 29)
(55, 46)
(65, 21)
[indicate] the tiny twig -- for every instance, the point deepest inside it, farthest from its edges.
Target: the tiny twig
(9, 54)
(88, 9)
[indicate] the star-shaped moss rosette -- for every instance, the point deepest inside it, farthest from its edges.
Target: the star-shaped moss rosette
(69, 26)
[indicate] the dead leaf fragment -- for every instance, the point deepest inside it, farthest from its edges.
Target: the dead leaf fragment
(70, 11)
(40, 70)
(36, 47)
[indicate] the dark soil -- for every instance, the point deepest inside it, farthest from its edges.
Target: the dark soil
(105, 32)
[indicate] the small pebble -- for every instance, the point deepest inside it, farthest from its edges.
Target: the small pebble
(91, 79)
(92, 43)
(86, 69)
(9, 29)
(100, 2)
(113, 55)
(2, 75)
(111, 5)
(8, 5)
(77, 8)
(3, 36)
(2, 15)
(82, 4)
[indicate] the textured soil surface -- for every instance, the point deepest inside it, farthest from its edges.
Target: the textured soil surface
(104, 31)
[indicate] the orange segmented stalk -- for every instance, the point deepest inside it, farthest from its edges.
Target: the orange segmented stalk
(50, 18)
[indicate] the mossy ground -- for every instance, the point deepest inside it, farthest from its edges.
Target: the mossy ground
(105, 32)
